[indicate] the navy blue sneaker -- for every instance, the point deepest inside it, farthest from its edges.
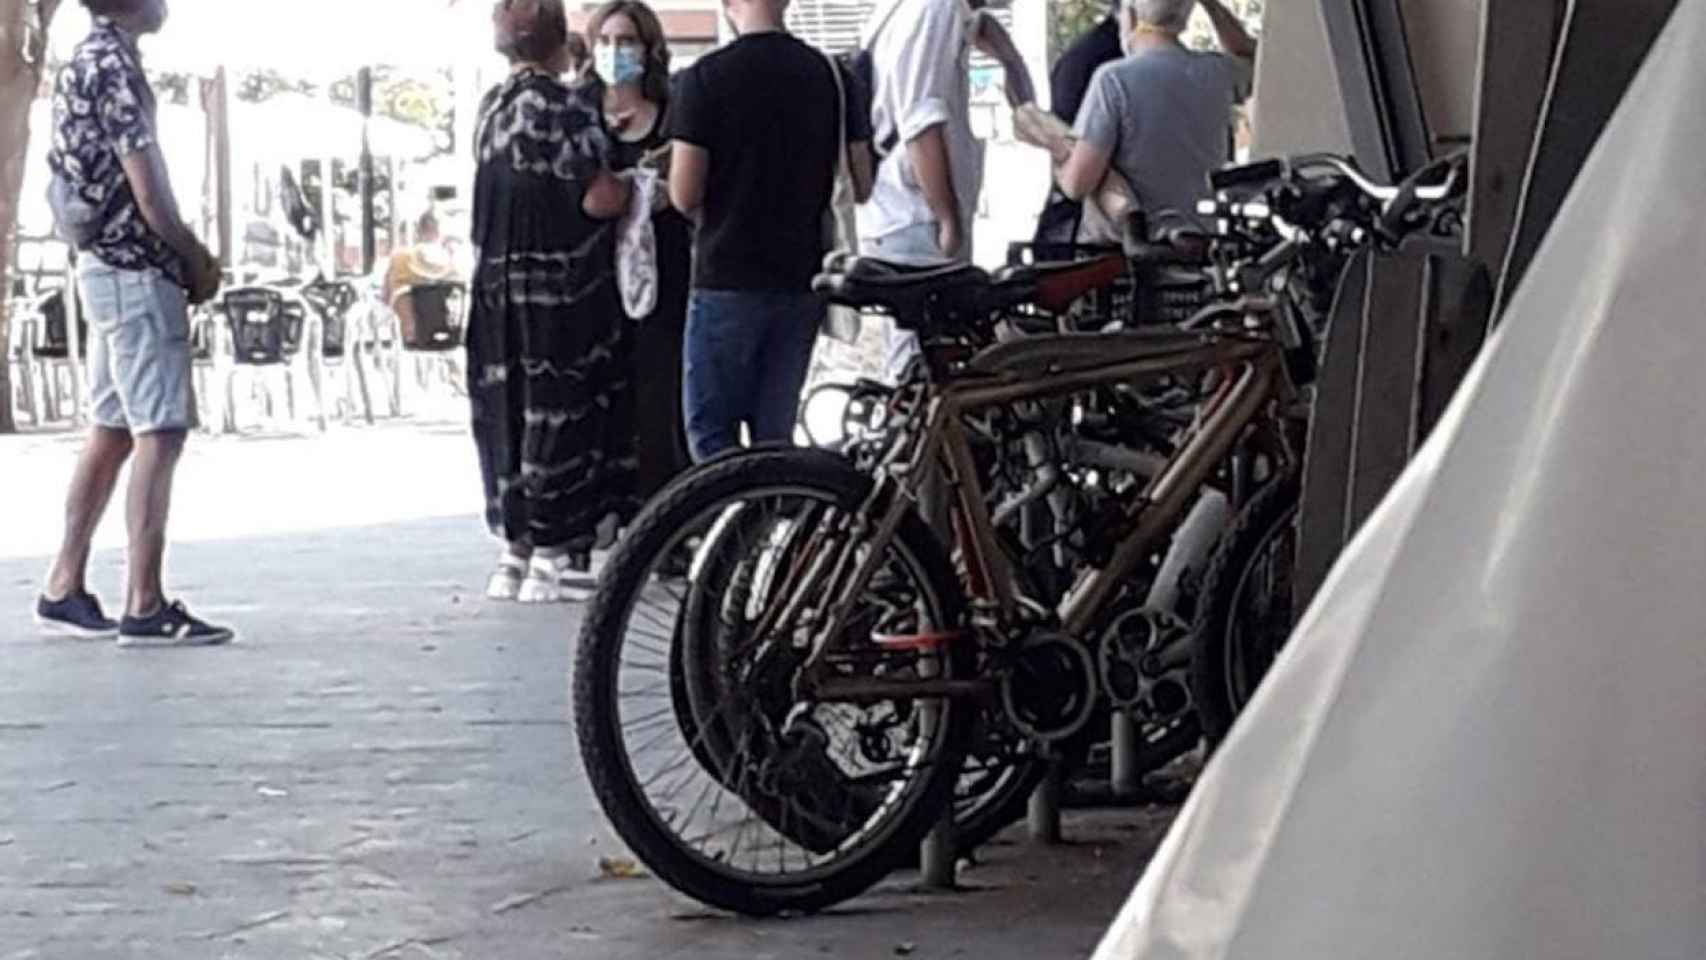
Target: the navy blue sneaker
(78, 615)
(171, 626)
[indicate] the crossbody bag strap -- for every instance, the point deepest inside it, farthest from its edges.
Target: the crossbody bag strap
(844, 155)
(886, 145)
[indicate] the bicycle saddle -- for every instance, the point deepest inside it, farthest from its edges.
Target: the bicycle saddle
(875, 272)
(906, 292)
(1068, 352)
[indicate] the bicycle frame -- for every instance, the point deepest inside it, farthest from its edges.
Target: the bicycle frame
(1256, 378)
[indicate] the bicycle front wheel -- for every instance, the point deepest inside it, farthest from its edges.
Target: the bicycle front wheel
(711, 763)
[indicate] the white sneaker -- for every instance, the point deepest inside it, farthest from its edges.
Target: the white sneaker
(579, 579)
(505, 583)
(543, 581)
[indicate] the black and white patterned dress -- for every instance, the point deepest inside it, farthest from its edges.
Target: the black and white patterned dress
(548, 345)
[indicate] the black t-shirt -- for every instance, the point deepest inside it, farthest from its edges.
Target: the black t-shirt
(765, 107)
(1069, 81)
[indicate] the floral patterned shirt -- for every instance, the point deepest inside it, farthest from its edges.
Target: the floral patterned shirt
(104, 109)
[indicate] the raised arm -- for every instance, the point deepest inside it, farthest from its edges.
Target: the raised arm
(993, 40)
(1234, 38)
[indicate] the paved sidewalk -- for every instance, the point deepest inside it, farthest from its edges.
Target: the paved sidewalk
(383, 767)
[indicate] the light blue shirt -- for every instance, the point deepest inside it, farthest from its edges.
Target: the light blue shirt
(1165, 114)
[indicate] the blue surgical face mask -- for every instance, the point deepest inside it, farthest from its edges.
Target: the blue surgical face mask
(618, 65)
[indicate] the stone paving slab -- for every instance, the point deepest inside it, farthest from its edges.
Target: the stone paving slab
(383, 767)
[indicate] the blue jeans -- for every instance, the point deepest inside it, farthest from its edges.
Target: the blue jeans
(744, 362)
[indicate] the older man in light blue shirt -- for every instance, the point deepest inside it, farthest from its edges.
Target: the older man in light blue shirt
(1162, 115)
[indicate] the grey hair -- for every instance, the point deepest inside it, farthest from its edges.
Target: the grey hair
(1170, 15)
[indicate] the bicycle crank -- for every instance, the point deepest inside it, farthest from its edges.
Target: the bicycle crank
(1049, 689)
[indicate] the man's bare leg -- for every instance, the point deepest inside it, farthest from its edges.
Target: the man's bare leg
(92, 486)
(148, 505)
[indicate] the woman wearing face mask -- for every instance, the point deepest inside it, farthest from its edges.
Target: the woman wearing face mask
(631, 58)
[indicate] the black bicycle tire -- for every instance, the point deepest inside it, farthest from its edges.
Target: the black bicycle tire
(1266, 514)
(594, 688)
(978, 828)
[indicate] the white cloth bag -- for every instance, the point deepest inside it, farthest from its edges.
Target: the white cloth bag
(637, 247)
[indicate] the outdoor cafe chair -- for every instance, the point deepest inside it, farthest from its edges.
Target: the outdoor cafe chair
(432, 322)
(211, 362)
(57, 370)
(338, 306)
(20, 333)
(268, 329)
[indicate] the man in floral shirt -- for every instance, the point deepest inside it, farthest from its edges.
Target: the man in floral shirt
(138, 270)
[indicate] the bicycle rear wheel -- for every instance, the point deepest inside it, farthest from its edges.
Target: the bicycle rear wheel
(715, 772)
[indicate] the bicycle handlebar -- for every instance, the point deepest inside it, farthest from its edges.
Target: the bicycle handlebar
(1269, 171)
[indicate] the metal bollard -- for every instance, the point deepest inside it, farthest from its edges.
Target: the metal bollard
(1127, 778)
(936, 854)
(1043, 813)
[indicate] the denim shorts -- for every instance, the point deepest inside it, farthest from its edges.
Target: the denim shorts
(139, 348)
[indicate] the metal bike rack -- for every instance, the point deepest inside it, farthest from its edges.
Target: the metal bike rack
(1125, 778)
(1043, 811)
(936, 855)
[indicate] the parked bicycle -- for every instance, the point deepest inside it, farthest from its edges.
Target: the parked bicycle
(780, 729)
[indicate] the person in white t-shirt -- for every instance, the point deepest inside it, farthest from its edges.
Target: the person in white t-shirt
(925, 198)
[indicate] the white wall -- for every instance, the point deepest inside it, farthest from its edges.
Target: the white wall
(1299, 106)
(1445, 37)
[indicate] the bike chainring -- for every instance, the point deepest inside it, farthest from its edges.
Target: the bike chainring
(1144, 662)
(1049, 688)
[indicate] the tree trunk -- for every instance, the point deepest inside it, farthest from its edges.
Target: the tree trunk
(23, 50)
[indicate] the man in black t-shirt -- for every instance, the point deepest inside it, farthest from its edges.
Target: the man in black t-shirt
(756, 139)
(1068, 82)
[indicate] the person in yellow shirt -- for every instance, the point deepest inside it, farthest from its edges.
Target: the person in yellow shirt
(428, 260)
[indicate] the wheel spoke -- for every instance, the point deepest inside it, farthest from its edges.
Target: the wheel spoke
(705, 709)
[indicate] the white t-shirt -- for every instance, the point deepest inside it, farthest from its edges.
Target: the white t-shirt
(920, 57)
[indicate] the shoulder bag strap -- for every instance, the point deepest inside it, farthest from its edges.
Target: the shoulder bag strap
(844, 158)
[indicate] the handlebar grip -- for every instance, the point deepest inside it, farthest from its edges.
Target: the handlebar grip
(1246, 174)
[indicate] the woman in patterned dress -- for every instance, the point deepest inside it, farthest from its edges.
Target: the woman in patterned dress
(548, 346)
